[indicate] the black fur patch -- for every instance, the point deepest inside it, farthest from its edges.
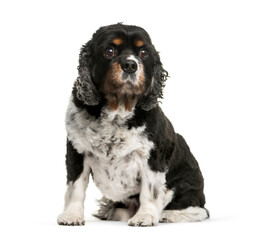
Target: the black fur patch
(74, 162)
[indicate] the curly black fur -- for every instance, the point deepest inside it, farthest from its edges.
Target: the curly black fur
(86, 91)
(150, 98)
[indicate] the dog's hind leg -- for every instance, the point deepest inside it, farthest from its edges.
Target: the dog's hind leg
(190, 214)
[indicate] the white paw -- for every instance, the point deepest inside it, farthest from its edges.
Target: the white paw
(70, 220)
(143, 220)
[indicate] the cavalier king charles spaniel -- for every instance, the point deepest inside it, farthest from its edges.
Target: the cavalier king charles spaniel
(117, 132)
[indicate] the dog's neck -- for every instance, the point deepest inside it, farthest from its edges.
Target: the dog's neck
(127, 101)
(120, 115)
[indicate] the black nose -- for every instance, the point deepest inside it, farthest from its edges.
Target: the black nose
(129, 66)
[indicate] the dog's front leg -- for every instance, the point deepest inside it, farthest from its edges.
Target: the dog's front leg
(73, 213)
(152, 199)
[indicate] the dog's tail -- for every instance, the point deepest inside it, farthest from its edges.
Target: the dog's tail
(116, 211)
(106, 210)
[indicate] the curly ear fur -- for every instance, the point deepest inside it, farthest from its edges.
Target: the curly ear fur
(155, 90)
(85, 89)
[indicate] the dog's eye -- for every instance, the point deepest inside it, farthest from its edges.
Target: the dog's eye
(143, 54)
(109, 52)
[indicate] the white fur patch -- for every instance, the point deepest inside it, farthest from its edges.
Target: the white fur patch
(121, 214)
(190, 214)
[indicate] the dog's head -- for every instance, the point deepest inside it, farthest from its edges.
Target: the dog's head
(120, 65)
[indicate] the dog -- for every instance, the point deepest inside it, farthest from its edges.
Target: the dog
(117, 132)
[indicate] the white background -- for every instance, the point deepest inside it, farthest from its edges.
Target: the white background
(208, 49)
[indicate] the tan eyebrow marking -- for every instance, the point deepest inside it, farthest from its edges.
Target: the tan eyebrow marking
(139, 43)
(117, 41)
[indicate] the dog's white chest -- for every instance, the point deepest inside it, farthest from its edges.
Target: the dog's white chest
(118, 178)
(116, 154)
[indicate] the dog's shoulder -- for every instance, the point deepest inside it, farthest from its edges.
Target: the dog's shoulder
(160, 131)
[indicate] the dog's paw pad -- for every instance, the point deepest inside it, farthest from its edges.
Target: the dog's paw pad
(70, 220)
(142, 220)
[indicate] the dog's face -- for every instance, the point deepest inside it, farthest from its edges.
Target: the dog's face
(121, 65)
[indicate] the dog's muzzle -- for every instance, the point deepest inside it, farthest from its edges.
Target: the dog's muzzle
(130, 69)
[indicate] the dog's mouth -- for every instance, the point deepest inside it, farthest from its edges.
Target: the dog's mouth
(123, 84)
(129, 78)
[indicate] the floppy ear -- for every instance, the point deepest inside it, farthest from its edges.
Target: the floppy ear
(155, 90)
(85, 89)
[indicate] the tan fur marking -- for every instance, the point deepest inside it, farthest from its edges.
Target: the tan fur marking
(113, 102)
(113, 82)
(117, 41)
(130, 102)
(139, 43)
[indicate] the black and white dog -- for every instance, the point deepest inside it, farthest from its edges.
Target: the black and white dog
(119, 135)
